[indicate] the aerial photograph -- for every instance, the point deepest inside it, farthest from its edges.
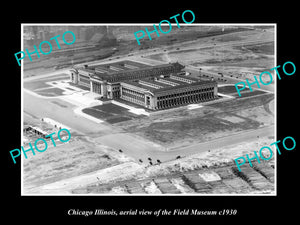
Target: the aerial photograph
(157, 116)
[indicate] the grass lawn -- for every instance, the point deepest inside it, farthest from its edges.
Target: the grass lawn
(41, 83)
(110, 113)
(230, 89)
(51, 92)
(79, 86)
(33, 85)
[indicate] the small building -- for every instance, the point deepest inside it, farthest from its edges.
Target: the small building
(36, 130)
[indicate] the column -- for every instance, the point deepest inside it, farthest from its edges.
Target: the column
(91, 86)
(76, 78)
(190, 98)
(103, 90)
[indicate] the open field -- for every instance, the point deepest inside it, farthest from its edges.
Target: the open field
(182, 127)
(76, 157)
(267, 48)
(229, 89)
(249, 93)
(50, 92)
(64, 59)
(41, 83)
(231, 54)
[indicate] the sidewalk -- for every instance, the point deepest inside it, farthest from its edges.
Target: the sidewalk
(137, 111)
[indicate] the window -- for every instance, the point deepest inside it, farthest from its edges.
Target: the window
(148, 100)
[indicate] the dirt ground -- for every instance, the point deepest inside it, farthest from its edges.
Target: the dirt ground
(217, 157)
(243, 60)
(76, 157)
(180, 127)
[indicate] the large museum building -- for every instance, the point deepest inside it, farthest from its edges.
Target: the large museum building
(154, 87)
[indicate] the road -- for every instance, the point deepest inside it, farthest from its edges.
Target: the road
(43, 107)
(140, 149)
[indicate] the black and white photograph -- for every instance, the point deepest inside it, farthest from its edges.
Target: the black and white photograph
(169, 114)
(162, 117)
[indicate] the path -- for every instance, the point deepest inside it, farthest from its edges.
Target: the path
(138, 148)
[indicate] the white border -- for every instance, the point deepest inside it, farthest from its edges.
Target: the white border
(151, 24)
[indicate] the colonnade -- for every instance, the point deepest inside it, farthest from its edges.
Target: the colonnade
(186, 99)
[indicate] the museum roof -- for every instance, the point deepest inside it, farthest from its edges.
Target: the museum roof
(165, 87)
(108, 75)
